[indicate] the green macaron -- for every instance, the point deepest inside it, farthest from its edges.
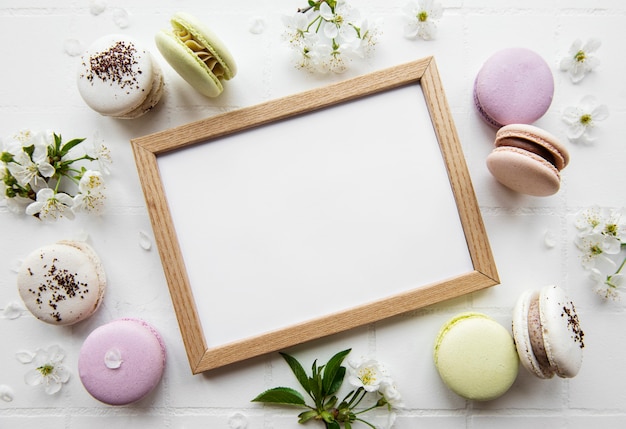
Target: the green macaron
(476, 356)
(196, 54)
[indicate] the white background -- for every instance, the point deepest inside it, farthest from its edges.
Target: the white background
(38, 91)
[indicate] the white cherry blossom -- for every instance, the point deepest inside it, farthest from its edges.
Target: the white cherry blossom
(422, 17)
(582, 119)
(580, 59)
(49, 370)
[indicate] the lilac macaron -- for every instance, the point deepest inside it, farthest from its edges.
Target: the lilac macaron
(514, 86)
(122, 362)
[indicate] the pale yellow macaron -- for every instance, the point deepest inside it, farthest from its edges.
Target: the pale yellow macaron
(197, 54)
(476, 356)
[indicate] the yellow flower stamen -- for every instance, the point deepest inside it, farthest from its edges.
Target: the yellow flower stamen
(422, 16)
(367, 376)
(611, 229)
(580, 56)
(46, 369)
(586, 119)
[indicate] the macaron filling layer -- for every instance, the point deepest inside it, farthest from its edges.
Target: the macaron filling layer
(200, 50)
(531, 147)
(536, 335)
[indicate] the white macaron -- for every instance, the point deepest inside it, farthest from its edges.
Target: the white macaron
(62, 283)
(118, 77)
(547, 333)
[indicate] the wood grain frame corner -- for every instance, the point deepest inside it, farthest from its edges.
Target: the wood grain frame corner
(148, 148)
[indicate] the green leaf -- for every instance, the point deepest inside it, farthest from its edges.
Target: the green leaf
(57, 141)
(69, 145)
(332, 370)
(305, 416)
(332, 425)
(281, 395)
(29, 150)
(330, 403)
(6, 157)
(336, 384)
(327, 417)
(298, 371)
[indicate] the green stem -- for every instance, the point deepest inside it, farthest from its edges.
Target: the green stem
(357, 392)
(87, 157)
(376, 405)
(621, 267)
(354, 394)
(366, 422)
(58, 184)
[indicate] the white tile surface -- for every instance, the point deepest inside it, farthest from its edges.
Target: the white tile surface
(37, 91)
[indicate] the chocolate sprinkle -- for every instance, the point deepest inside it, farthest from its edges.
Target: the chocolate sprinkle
(61, 284)
(573, 323)
(115, 65)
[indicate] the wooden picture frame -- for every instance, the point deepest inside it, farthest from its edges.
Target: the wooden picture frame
(148, 150)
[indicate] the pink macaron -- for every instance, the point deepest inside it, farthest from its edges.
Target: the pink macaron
(122, 362)
(514, 86)
(528, 160)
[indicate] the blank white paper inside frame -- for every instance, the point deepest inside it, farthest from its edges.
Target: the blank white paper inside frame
(313, 215)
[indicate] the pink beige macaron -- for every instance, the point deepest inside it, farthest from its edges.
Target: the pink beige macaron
(547, 332)
(514, 86)
(122, 362)
(62, 283)
(528, 160)
(196, 54)
(118, 77)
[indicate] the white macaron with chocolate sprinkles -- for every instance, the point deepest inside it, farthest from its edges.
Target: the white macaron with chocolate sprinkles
(62, 283)
(118, 77)
(547, 333)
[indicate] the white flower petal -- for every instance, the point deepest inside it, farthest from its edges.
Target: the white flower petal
(577, 73)
(52, 387)
(13, 310)
(55, 354)
(33, 377)
(611, 245)
(46, 169)
(113, 358)
(326, 12)
(6, 393)
(566, 63)
(144, 241)
(618, 280)
(62, 373)
(592, 45)
(25, 356)
(34, 208)
(600, 113)
(63, 198)
(576, 131)
(330, 30)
